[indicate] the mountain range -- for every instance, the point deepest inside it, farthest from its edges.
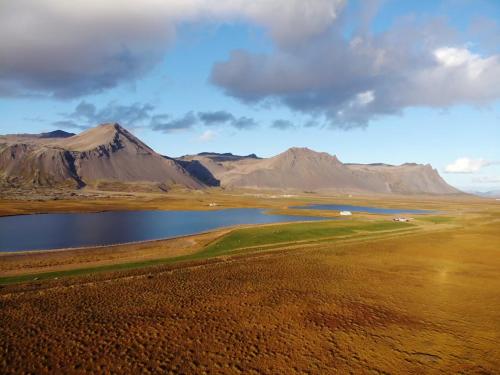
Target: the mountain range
(109, 153)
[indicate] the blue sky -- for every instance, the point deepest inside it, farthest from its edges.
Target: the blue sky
(299, 75)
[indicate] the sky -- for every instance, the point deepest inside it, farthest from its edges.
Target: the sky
(370, 81)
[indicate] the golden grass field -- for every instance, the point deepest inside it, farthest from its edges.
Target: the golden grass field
(357, 296)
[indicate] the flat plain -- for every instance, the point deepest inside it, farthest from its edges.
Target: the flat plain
(364, 295)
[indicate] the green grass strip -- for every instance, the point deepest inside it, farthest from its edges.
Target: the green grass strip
(234, 242)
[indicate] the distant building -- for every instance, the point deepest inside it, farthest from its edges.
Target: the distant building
(345, 213)
(401, 219)
(212, 204)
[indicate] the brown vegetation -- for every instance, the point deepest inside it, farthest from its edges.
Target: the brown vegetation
(421, 302)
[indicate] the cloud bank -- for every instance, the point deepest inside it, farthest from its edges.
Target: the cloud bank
(326, 61)
(468, 165)
(86, 115)
(190, 119)
(352, 81)
(69, 49)
(144, 115)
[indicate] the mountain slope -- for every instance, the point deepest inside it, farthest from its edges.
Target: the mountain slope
(25, 164)
(104, 153)
(409, 178)
(109, 152)
(305, 169)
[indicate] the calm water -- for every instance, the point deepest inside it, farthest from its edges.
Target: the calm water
(58, 231)
(372, 210)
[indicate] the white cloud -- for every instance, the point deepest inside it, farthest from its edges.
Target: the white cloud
(449, 56)
(365, 98)
(207, 136)
(473, 64)
(467, 165)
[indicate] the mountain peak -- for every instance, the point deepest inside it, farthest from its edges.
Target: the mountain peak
(111, 125)
(108, 134)
(306, 153)
(297, 150)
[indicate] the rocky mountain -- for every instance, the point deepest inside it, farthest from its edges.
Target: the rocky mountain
(306, 170)
(110, 154)
(105, 153)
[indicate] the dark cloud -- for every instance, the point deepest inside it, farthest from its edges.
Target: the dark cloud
(86, 115)
(311, 124)
(348, 81)
(244, 123)
(166, 125)
(143, 115)
(283, 124)
(226, 118)
(67, 51)
(215, 118)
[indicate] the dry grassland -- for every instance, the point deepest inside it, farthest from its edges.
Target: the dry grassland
(97, 201)
(425, 301)
(61, 260)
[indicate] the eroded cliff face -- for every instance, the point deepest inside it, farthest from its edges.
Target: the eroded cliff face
(32, 165)
(105, 153)
(408, 178)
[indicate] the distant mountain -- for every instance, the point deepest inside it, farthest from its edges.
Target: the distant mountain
(487, 194)
(57, 134)
(227, 156)
(305, 169)
(32, 137)
(106, 153)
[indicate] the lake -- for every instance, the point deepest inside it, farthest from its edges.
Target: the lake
(59, 231)
(371, 210)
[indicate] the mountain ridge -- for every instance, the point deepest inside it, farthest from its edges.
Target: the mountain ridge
(109, 152)
(300, 168)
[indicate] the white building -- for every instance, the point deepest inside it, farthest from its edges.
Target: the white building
(345, 213)
(401, 219)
